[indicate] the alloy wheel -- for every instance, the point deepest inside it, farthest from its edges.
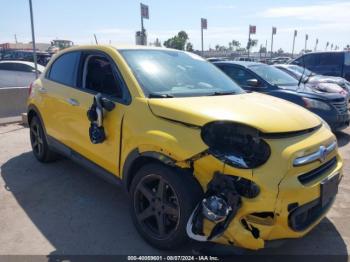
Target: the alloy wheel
(156, 206)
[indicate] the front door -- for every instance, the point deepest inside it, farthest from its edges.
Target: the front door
(97, 74)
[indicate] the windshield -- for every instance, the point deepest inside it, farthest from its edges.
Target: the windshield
(172, 73)
(273, 75)
(298, 70)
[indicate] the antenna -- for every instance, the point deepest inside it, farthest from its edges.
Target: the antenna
(96, 39)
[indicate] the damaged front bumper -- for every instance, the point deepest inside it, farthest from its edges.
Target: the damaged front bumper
(284, 207)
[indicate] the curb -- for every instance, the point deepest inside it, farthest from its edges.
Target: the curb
(22, 119)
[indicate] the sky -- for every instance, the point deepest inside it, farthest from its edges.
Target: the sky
(117, 21)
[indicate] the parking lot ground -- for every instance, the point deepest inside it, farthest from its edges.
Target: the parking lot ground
(62, 209)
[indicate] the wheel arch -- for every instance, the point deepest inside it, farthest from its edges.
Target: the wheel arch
(136, 159)
(33, 111)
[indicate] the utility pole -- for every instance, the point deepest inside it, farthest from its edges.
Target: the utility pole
(306, 38)
(274, 31)
(295, 35)
(316, 44)
(95, 39)
(33, 39)
(204, 25)
(265, 48)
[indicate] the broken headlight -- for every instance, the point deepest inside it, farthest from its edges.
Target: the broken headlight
(236, 144)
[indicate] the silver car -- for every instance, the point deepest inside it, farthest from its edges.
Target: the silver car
(329, 84)
(17, 73)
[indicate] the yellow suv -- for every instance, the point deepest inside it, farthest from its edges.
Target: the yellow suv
(199, 157)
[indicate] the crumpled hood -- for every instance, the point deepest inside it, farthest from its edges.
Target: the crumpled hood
(313, 88)
(330, 79)
(266, 113)
(328, 87)
(327, 79)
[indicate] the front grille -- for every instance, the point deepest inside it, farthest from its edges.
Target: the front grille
(316, 173)
(341, 106)
(304, 216)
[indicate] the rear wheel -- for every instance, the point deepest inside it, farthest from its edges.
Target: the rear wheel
(162, 200)
(38, 141)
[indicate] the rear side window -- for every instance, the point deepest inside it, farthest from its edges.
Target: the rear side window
(64, 69)
(22, 67)
(331, 59)
(5, 66)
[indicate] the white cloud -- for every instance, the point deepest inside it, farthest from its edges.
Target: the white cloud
(334, 13)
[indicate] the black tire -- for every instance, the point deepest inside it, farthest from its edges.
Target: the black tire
(38, 142)
(180, 195)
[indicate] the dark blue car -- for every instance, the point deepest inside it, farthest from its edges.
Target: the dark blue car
(334, 63)
(333, 108)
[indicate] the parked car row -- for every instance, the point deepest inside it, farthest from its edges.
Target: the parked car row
(26, 55)
(332, 107)
(200, 155)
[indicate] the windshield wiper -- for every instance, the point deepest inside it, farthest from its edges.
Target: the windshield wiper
(157, 95)
(307, 78)
(222, 93)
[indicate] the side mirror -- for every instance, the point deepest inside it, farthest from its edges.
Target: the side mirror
(253, 83)
(107, 104)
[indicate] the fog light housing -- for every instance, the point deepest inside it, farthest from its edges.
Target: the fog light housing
(215, 208)
(246, 188)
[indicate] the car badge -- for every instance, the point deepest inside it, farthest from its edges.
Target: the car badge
(323, 153)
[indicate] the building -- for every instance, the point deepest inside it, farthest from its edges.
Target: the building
(24, 46)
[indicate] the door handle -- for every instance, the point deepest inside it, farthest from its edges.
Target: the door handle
(42, 90)
(72, 102)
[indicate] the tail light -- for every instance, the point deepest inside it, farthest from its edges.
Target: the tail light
(30, 88)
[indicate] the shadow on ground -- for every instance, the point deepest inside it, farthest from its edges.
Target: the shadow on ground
(80, 214)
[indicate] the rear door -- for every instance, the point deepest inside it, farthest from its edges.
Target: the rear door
(58, 84)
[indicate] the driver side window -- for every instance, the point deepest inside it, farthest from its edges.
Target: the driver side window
(99, 76)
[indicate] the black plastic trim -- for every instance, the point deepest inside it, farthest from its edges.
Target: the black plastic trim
(60, 148)
(280, 135)
(312, 210)
(319, 171)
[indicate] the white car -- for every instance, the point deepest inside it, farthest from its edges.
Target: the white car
(17, 73)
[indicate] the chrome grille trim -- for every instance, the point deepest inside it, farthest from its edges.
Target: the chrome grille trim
(341, 107)
(320, 155)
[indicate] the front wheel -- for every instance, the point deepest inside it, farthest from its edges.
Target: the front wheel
(162, 200)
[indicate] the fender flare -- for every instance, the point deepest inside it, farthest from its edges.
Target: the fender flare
(133, 158)
(33, 108)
